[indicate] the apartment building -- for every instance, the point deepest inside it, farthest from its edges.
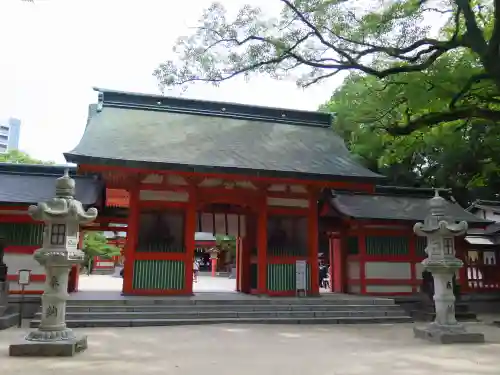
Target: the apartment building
(10, 130)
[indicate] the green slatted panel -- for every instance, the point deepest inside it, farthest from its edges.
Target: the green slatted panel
(387, 246)
(158, 247)
(420, 245)
(281, 277)
(159, 274)
(352, 245)
(22, 234)
(286, 251)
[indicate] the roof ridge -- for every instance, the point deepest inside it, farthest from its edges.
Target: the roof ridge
(121, 99)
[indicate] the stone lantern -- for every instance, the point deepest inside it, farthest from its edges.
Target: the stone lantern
(441, 231)
(62, 216)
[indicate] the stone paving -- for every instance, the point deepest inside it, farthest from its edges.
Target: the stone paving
(263, 350)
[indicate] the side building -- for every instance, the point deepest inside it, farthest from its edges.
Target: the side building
(10, 132)
(370, 240)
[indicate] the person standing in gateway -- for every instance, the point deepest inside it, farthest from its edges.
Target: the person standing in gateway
(196, 269)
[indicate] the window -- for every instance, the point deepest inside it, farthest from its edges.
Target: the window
(4, 137)
(4, 128)
(57, 234)
(448, 246)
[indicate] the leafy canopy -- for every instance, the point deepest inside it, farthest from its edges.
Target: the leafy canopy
(19, 157)
(96, 244)
(313, 40)
(462, 155)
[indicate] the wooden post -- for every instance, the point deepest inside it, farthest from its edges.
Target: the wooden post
(262, 247)
(412, 239)
(237, 261)
(132, 238)
(338, 264)
(213, 262)
(189, 241)
(362, 263)
(313, 243)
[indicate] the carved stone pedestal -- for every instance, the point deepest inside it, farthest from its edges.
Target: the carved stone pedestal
(455, 334)
(61, 348)
(62, 216)
(441, 262)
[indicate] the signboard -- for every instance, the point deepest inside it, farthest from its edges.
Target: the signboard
(301, 275)
(23, 277)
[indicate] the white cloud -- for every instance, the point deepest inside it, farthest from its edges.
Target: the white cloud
(55, 51)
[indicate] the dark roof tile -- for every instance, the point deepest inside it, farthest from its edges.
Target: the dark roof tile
(31, 189)
(242, 139)
(394, 207)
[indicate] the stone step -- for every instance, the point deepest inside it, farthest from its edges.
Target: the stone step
(279, 301)
(274, 320)
(224, 314)
(189, 308)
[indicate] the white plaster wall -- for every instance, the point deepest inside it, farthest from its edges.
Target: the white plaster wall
(288, 202)
(389, 289)
(419, 268)
(388, 270)
(164, 195)
(16, 262)
(353, 270)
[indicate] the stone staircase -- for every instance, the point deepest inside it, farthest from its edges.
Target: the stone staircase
(151, 311)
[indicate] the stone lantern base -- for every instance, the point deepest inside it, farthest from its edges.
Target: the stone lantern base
(61, 348)
(455, 334)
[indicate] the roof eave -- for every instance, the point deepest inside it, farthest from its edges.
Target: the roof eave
(136, 164)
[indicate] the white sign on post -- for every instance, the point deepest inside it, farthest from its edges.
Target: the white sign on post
(301, 276)
(23, 277)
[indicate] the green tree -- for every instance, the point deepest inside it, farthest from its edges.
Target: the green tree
(96, 244)
(226, 242)
(19, 157)
(318, 39)
(462, 155)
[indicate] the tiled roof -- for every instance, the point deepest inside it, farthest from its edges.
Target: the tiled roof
(395, 204)
(199, 136)
(29, 184)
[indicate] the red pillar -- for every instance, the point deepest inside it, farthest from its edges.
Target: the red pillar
(238, 259)
(413, 256)
(461, 253)
(313, 244)
(362, 263)
(262, 247)
(338, 264)
(213, 261)
(189, 242)
(132, 237)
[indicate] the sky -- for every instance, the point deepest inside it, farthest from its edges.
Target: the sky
(55, 51)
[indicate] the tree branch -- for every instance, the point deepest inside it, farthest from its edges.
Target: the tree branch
(435, 118)
(468, 85)
(474, 33)
(494, 43)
